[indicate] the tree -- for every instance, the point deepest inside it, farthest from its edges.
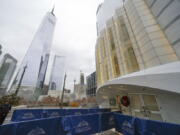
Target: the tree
(10, 99)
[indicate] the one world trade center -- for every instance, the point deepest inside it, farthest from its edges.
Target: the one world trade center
(33, 68)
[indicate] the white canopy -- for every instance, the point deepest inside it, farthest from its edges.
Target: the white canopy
(164, 78)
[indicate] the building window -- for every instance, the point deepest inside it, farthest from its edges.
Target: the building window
(116, 65)
(111, 38)
(106, 72)
(131, 61)
(124, 32)
(53, 86)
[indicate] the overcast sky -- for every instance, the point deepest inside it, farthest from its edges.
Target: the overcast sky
(75, 31)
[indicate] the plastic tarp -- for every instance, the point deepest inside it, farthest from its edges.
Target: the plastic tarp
(81, 125)
(8, 129)
(107, 121)
(68, 125)
(76, 111)
(53, 113)
(26, 114)
(149, 127)
(48, 126)
(90, 124)
(125, 124)
(136, 126)
(31, 114)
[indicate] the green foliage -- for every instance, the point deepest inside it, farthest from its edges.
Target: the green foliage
(10, 99)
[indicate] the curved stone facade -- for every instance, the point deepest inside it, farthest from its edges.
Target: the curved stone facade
(133, 39)
(167, 14)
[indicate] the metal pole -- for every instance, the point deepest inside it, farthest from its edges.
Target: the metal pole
(62, 96)
(20, 81)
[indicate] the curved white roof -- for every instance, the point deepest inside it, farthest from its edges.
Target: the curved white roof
(161, 78)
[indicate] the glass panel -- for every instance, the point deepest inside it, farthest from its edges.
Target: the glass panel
(135, 101)
(111, 38)
(150, 102)
(155, 117)
(116, 65)
(131, 60)
(139, 114)
(107, 74)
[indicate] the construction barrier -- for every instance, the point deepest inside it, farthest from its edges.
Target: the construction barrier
(149, 127)
(26, 114)
(125, 124)
(81, 125)
(107, 121)
(136, 126)
(32, 114)
(90, 124)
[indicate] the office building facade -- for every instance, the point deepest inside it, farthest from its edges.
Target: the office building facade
(81, 78)
(8, 66)
(57, 73)
(80, 91)
(91, 85)
(37, 57)
(137, 56)
(80, 88)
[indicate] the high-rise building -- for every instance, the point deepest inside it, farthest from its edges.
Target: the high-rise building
(91, 85)
(8, 66)
(137, 57)
(82, 78)
(57, 73)
(80, 89)
(37, 57)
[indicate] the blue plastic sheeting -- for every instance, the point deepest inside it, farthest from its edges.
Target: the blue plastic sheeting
(49, 126)
(53, 113)
(90, 124)
(26, 114)
(149, 127)
(125, 124)
(81, 125)
(32, 114)
(76, 111)
(135, 126)
(8, 129)
(69, 125)
(107, 121)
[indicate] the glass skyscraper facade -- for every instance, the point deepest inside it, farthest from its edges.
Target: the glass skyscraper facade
(57, 73)
(37, 57)
(8, 66)
(91, 85)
